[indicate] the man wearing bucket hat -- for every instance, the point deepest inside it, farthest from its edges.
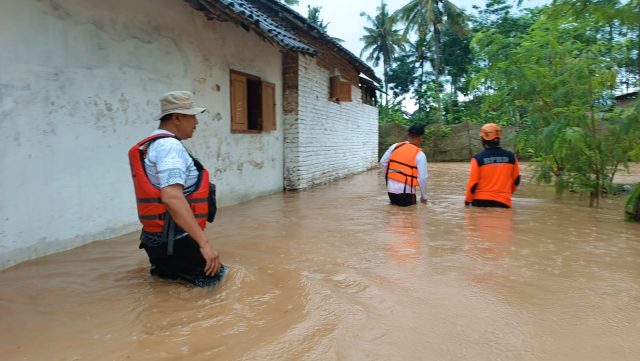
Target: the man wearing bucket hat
(494, 175)
(174, 197)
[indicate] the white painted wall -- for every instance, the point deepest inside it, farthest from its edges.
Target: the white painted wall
(79, 84)
(327, 140)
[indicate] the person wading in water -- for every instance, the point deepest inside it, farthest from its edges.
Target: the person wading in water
(405, 168)
(174, 197)
(494, 175)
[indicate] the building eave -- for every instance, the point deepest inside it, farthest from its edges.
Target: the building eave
(250, 18)
(302, 24)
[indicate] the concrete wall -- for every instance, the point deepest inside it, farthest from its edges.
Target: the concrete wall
(79, 84)
(457, 144)
(325, 140)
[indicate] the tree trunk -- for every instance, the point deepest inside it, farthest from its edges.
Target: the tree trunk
(436, 71)
(386, 85)
(421, 82)
(595, 194)
(638, 53)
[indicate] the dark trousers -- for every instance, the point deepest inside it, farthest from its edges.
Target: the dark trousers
(186, 263)
(483, 203)
(402, 199)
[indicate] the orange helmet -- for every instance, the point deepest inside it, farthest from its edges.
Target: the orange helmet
(490, 131)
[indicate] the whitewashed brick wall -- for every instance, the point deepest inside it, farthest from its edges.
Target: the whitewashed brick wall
(326, 140)
(82, 85)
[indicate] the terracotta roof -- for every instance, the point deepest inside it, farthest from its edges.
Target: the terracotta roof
(250, 15)
(304, 25)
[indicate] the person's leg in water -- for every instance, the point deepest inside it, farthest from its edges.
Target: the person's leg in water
(402, 199)
(186, 263)
(488, 203)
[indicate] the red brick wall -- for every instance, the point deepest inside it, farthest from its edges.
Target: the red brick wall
(290, 75)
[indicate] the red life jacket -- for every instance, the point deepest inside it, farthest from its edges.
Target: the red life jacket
(151, 210)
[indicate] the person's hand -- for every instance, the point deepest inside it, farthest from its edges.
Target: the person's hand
(212, 259)
(423, 199)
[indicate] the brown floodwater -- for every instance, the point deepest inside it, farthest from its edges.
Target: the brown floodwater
(336, 273)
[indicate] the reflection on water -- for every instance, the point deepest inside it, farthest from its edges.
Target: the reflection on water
(405, 238)
(336, 273)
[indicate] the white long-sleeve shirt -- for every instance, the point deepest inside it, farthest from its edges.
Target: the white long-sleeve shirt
(398, 187)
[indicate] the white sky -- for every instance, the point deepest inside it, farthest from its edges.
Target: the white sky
(345, 22)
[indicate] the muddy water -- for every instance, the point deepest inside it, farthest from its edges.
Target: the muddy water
(335, 273)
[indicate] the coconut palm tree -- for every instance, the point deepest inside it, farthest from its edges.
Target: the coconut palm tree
(419, 53)
(428, 17)
(382, 41)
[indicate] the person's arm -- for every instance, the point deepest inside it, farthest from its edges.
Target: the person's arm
(172, 161)
(474, 177)
(384, 161)
(516, 176)
(179, 209)
(423, 174)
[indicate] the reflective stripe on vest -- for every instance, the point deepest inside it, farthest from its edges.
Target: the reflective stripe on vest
(402, 164)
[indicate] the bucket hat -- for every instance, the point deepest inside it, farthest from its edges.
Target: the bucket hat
(180, 101)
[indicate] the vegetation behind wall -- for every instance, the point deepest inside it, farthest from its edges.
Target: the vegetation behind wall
(445, 143)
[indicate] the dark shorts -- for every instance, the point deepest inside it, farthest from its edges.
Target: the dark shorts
(402, 199)
(186, 263)
(483, 203)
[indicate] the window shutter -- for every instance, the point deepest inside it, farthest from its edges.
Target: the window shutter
(340, 90)
(334, 93)
(345, 91)
(268, 106)
(238, 102)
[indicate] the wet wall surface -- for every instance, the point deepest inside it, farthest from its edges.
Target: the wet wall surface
(336, 273)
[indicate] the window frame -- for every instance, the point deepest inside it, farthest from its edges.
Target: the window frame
(339, 90)
(247, 91)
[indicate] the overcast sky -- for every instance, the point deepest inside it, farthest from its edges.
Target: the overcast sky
(345, 22)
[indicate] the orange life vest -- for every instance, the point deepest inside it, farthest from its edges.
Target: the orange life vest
(151, 210)
(402, 164)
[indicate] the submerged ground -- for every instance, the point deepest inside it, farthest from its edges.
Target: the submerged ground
(336, 273)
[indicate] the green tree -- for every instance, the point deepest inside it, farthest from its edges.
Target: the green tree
(313, 15)
(418, 52)
(622, 140)
(457, 59)
(498, 16)
(628, 17)
(392, 113)
(557, 79)
(382, 41)
(402, 75)
(429, 17)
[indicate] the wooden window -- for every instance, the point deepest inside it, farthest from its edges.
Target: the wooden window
(253, 104)
(368, 94)
(340, 90)
(268, 106)
(238, 102)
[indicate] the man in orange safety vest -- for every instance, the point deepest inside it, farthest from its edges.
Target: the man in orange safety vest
(494, 174)
(405, 168)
